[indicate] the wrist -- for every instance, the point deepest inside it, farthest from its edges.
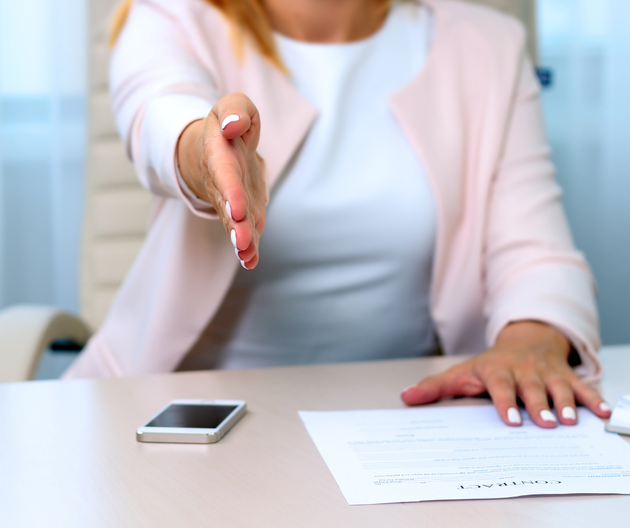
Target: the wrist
(189, 152)
(534, 333)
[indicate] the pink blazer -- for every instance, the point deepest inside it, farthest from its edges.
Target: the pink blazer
(503, 252)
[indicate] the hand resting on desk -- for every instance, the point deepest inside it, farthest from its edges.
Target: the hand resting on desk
(529, 361)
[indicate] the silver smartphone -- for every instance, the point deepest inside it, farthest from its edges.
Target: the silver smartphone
(192, 421)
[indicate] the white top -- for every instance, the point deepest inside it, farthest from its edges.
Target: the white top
(336, 282)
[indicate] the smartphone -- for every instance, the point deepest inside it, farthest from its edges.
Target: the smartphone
(192, 421)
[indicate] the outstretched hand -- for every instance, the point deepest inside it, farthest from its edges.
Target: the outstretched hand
(218, 161)
(528, 361)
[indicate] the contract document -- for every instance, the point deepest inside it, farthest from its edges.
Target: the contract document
(421, 454)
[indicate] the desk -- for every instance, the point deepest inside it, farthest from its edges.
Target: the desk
(68, 455)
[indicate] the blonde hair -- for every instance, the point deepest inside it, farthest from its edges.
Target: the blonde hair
(247, 17)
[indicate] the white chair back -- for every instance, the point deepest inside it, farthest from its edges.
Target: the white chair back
(116, 205)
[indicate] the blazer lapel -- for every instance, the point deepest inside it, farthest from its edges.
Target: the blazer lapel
(286, 116)
(430, 111)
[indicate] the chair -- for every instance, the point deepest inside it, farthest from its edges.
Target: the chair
(115, 217)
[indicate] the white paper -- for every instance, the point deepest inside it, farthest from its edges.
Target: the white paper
(420, 454)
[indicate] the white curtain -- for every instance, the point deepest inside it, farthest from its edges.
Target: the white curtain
(42, 143)
(586, 43)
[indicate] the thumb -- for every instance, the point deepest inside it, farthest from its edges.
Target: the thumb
(238, 117)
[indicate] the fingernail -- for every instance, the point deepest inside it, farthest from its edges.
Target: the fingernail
(229, 119)
(228, 209)
(568, 413)
(236, 253)
(547, 416)
(604, 407)
(233, 237)
(513, 416)
(409, 388)
(243, 264)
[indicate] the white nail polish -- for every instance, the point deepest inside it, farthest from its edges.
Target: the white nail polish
(547, 416)
(236, 253)
(229, 119)
(228, 209)
(243, 264)
(233, 237)
(513, 416)
(604, 407)
(568, 413)
(410, 387)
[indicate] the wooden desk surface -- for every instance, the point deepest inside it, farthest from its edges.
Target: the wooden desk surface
(68, 455)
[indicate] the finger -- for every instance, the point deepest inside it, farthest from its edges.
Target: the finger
(426, 391)
(241, 237)
(248, 254)
(230, 223)
(588, 396)
(260, 226)
(561, 393)
(533, 392)
(237, 116)
(457, 381)
(224, 181)
(262, 181)
(259, 215)
(252, 263)
(502, 390)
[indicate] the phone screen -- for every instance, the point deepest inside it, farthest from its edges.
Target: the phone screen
(194, 416)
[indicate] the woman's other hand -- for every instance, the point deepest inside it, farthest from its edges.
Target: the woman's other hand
(218, 161)
(530, 361)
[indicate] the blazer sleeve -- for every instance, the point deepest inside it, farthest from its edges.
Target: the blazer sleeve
(158, 87)
(533, 271)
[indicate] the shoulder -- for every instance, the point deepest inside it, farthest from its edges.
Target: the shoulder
(478, 27)
(196, 25)
(475, 16)
(194, 10)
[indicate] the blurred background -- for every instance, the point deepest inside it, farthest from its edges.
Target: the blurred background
(583, 44)
(42, 149)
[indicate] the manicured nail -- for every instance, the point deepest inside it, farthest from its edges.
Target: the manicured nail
(513, 416)
(409, 388)
(547, 416)
(604, 407)
(228, 209)
(229, 119)
(233, 237)
(243, 264)
(236, 253)
(568, 413)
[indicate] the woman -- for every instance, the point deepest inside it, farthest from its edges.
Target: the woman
(411, 195)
